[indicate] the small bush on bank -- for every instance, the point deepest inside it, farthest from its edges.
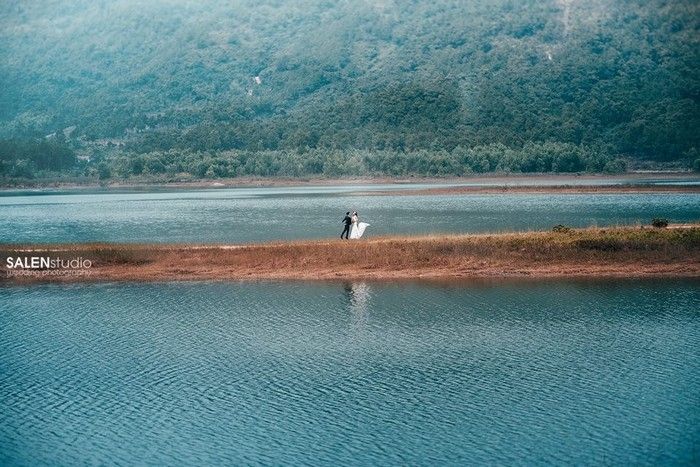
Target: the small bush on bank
(659, 222)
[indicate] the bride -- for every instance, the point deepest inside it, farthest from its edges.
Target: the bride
(358, 228)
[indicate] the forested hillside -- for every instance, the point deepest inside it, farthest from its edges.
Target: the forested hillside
(440, 87)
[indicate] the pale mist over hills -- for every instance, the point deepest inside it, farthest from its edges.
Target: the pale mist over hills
(444, 87)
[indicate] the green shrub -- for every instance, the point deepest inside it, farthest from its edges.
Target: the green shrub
(615, 166)
(659, 222)
(23, 169)
(103, 171)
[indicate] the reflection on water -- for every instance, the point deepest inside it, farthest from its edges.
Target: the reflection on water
(568, 373)
(358, 294)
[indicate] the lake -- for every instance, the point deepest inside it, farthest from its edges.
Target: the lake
(244, 215)
(332, 373)
(498, 373)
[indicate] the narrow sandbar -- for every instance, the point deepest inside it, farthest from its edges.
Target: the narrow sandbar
(592, 252)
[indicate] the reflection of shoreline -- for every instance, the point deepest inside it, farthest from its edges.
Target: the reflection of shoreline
(594, 252)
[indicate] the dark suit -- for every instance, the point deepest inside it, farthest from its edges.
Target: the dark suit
(346, 231)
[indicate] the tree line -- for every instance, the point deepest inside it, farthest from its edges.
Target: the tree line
(178, 164)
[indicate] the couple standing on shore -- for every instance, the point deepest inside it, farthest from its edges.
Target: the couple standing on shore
(353, 227)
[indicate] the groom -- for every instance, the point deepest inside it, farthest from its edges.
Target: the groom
(347, 221)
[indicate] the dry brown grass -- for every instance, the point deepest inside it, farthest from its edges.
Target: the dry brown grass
(623, 251)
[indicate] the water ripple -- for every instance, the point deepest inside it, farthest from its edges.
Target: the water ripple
(356, 373)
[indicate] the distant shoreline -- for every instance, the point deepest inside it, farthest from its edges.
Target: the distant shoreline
(622, 252)
(540, 189)
(634, 181)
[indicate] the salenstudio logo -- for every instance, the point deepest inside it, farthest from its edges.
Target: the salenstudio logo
(47, 266)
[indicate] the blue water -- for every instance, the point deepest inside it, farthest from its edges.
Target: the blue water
(264, 214)
(514, 373)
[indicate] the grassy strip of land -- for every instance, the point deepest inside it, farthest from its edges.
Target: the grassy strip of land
(592, 252)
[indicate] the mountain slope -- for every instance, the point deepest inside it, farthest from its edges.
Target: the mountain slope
(619, 75)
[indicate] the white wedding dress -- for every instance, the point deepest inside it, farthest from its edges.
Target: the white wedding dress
(358, 228)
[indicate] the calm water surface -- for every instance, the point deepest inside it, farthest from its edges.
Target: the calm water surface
(263, 214)
(519, 373)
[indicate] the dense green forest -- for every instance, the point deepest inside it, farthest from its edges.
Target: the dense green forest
(118, 89)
